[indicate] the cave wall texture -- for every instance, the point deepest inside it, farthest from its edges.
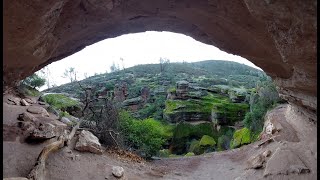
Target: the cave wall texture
(278, 36)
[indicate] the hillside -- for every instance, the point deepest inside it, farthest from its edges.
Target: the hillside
(205, 73)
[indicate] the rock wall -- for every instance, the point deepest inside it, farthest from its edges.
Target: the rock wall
(278, 36)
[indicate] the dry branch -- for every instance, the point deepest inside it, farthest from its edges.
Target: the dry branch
(38, 171)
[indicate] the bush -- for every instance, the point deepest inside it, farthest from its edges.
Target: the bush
(34, 81)
(147, 136)
(265, 97)
(164, 153)
(223, 143)
(207, 141)
(241, 137)
(189, 154)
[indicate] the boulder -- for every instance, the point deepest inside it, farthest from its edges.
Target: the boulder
(48, 130)
(38, 110)
(30, 101)
(256, 162)
(285, 161)
(65, 120)
(24, 102)
(117, 171)
(266, 153)
(41, 103)
(14, 100)
(88, 143)
(132, 101)
(27, 117)
(44, 131)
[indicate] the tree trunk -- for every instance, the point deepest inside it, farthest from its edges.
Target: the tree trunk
(38, 171)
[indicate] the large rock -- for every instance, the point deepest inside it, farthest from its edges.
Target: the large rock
(44, 131)
(14, 100)
(88, 142)
(133, 101)
(24, 102)
(117, 171)
(65, 120)
(27, 117)
(38, 110)
(285, 161)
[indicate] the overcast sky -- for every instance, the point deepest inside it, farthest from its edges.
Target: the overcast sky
(138, 48)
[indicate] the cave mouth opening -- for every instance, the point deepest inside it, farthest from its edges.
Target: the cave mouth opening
(196, 94)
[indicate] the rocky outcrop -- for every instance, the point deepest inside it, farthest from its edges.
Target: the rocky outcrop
(88, 143)
(120, 92)
(182, 90)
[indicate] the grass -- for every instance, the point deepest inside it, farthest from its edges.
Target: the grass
(60, 101)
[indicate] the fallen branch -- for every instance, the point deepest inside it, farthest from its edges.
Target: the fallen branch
(267, 141)
(38, 171)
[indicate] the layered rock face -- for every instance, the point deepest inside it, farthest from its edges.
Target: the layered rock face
(278, 36)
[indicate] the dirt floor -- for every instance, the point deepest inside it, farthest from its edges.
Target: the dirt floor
(297, 134)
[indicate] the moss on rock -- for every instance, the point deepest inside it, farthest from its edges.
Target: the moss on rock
(241, 137)
(207, 141)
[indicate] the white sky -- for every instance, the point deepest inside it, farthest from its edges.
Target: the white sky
(139, 48)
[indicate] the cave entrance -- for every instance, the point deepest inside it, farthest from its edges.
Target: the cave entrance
(191, 98)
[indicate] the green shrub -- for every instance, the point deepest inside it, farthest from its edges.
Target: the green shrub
(189, 154)
(34, 81)
(146, 135)
(207, 141)
(164, 153)
(223, 143)
(64, 114)
(241, 137)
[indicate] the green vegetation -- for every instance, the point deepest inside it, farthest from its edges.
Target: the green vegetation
(265, 98)
(147, 136)
(34, 81)
(222, 93)
(207, 141)
(60, 101)
(189, 154)
(164, 153)
(241, 137)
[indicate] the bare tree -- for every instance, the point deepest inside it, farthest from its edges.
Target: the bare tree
(100, 114)
(114, 67)
(163, 64)
(71, 74)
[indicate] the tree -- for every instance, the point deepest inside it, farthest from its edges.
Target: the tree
(46, 74)
(34, 81)
(71, 74)
(163, 63)
(114, 67)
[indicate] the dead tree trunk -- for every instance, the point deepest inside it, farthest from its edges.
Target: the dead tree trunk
(38, 171)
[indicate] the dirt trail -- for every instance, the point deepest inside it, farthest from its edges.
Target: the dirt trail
(19, 158)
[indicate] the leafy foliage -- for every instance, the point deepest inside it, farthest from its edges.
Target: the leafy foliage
(207, 141)
(34, 81)
(265, 97)
(146, 136)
